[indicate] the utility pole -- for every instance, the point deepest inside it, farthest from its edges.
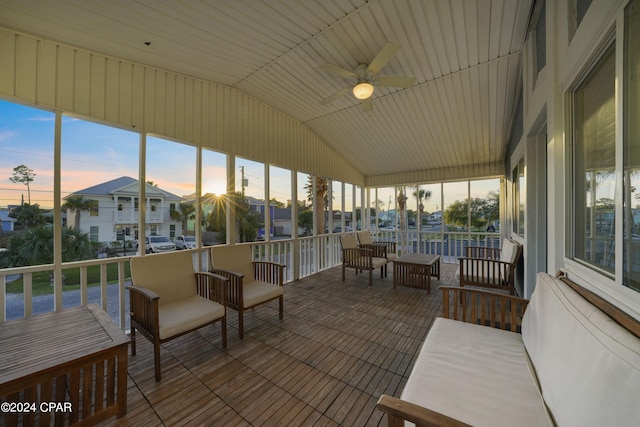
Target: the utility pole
(242, 184)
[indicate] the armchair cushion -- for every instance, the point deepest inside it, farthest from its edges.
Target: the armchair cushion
(172, 278)
(186, 314)
(256, 292)
(349, 241)
(235, 258)
(509, 251)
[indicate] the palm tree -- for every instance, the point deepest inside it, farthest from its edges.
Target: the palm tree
(421, 195)
(187, 211)
(322, 194)
(78, 203)
(29, 215)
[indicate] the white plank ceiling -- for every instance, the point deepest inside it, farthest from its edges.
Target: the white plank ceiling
(464, 54)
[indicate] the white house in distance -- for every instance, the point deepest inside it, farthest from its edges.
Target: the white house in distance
(116, 211)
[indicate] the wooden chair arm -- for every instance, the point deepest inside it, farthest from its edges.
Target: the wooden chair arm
(143, 309)
(482, 252)
(143, 293)
(398, 411)
(358, 258)
(270, 272)
(481, 307)
(212, 286)
(234, 285)
(379, 249)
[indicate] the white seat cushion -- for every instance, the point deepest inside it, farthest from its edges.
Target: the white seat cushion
(476, 374)
(186, 314)
(256, 292)
(588, 365)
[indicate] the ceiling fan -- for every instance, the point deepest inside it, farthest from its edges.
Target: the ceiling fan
(366, 78)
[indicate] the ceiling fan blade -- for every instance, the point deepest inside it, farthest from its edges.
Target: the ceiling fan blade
(334, 69)
(384, 56)
(367, 105)
(335, 96)
(395, 81)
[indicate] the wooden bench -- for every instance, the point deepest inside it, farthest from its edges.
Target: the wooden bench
(570, 359)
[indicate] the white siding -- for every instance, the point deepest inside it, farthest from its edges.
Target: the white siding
(141, 98)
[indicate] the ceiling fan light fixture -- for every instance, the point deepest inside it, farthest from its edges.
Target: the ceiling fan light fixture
(363, 90)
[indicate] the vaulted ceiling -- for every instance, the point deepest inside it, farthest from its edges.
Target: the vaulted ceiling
(465, 55)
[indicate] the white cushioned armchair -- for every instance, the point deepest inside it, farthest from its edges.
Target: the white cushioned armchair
(168, 298)
(251, 283)
(490, 267)
(362, 258)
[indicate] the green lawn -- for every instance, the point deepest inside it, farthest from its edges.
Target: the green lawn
(42, 286)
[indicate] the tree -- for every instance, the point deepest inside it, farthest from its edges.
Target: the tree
(78, 203)
(320, 202)
(305, 221)
(187, 211)
(422, 196)
(22, 174)
(35, 247)
(481, 211)
(28, 215)
(248, 221)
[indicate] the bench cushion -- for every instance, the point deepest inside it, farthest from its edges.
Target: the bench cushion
(257, 292)
(187, 314)
(476, 374)
(588, 365)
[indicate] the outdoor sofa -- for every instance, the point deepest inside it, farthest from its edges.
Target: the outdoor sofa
(576, 362)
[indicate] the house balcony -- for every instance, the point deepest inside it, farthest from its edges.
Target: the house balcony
(131, 217)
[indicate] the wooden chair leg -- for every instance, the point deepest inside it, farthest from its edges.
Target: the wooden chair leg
(133, 341)
(281, 307)
(224, 331)
(156, 358)
(241, 322)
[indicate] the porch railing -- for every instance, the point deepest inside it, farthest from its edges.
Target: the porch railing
(302, 257)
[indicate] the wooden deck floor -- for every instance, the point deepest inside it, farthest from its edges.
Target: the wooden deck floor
(340, 346)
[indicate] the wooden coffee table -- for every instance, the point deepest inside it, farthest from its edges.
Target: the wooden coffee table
(74, 360)
(416, 270)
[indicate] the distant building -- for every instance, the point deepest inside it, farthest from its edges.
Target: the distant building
(115, 213)
(6, 222)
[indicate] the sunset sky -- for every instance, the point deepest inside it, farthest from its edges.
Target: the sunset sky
(94, 153)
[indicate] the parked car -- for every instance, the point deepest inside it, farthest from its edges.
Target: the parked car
(156, 244)
(185, 242)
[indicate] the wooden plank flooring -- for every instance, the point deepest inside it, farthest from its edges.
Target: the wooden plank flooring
(340, 346)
